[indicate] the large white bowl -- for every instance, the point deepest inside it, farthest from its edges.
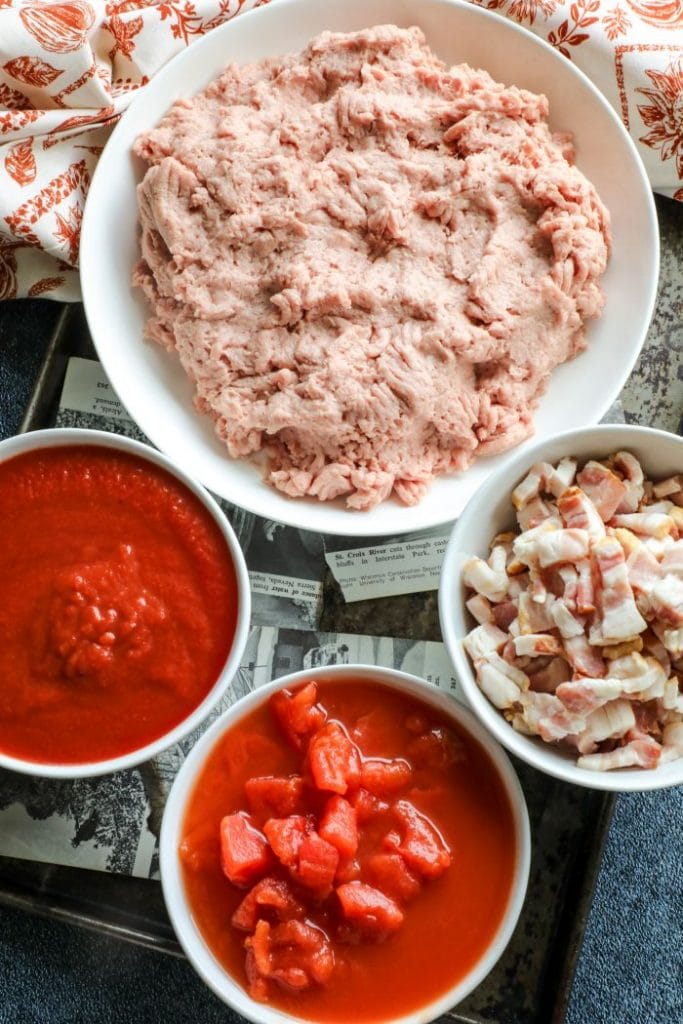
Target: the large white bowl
(150, 381)
(38, 440)
(490, 512)
(189, 936)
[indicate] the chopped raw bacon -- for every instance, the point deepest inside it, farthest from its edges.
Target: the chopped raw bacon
(578, 644)
(620, 619)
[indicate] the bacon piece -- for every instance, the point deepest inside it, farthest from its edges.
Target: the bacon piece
(582, 696)
(672, 742)
(611, 721)
(534, 616)
(579, 513)
(545, 715)
(548, 678)
(491, 583)
(637, 674)
(500, 682)
(583, 658)
(672, 561)
(672, 485)
(620, 619)
(603, 487)
(562, 546)
(666, 600)
(649, 524)
(585, 591)
(643, 570)
(483, 639)
(504, 613)
(534, 513)
(525, 546)
(479, 608)
(640, 753)
(537, 645)
(634, 478)
(567, 623)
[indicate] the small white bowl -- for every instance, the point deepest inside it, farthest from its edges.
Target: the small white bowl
(189, 936)
(60, 437)
(489, 512)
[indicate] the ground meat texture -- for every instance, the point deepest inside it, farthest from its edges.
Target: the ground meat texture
(367, 262)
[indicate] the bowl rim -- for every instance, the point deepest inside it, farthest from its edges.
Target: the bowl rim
(306, 513)
(541, 756)
(57, 437)
(198, 952)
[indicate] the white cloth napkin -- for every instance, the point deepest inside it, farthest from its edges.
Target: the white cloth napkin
(69, 68)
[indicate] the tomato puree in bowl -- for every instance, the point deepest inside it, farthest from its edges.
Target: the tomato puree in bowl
(348, 852)
(119, 603)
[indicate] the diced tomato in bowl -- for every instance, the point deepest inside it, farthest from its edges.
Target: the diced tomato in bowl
(350, 872)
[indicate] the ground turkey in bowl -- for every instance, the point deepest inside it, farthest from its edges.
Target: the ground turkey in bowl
(368, 263)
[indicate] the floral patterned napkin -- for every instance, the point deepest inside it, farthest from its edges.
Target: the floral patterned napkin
(69, 68)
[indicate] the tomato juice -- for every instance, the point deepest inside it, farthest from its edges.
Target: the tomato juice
(119, 603)
(393, 918)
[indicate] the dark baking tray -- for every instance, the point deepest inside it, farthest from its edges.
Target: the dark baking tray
(532, 981)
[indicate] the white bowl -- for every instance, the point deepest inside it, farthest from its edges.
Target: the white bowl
(188, 934)
(150, 381)
(490, 512)
(60, 437)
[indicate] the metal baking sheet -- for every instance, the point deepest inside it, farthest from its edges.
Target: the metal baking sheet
(532, 981)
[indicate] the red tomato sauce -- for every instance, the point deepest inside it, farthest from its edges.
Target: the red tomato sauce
(422, 936)
(119, 603)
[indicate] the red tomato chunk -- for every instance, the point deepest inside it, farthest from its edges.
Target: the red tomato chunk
(343, 850)
(245, 855)
(334, 760)
(374, 914)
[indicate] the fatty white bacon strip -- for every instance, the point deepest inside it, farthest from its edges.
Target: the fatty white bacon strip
(603, 487)
(666, 600)
(554, 548)
(620, 618)
(490, 583)
(649, 524)
(484, 639)
(479, 608)
(640, 753)
(546, 479)
(672, 742)
(578, 512)
(584, 659)
(582, 696)
(634, 479)
(672, 560)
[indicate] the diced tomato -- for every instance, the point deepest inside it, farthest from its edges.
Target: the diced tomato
(301, 954)
(285, 836)
(259, 944)
(422, 846)
(293, 954)
(245, 855)
(270, 894)
(200, 849)
(275, 796)
(390, 873)
(298, 713)
(385, 777)
(256, 983)
(339, 826)
(348, 870)
(371, 911)
(317, 864)
(366, 805)
(334, 760)
(437, 748)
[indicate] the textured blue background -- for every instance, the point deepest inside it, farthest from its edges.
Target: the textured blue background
(631, 965)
